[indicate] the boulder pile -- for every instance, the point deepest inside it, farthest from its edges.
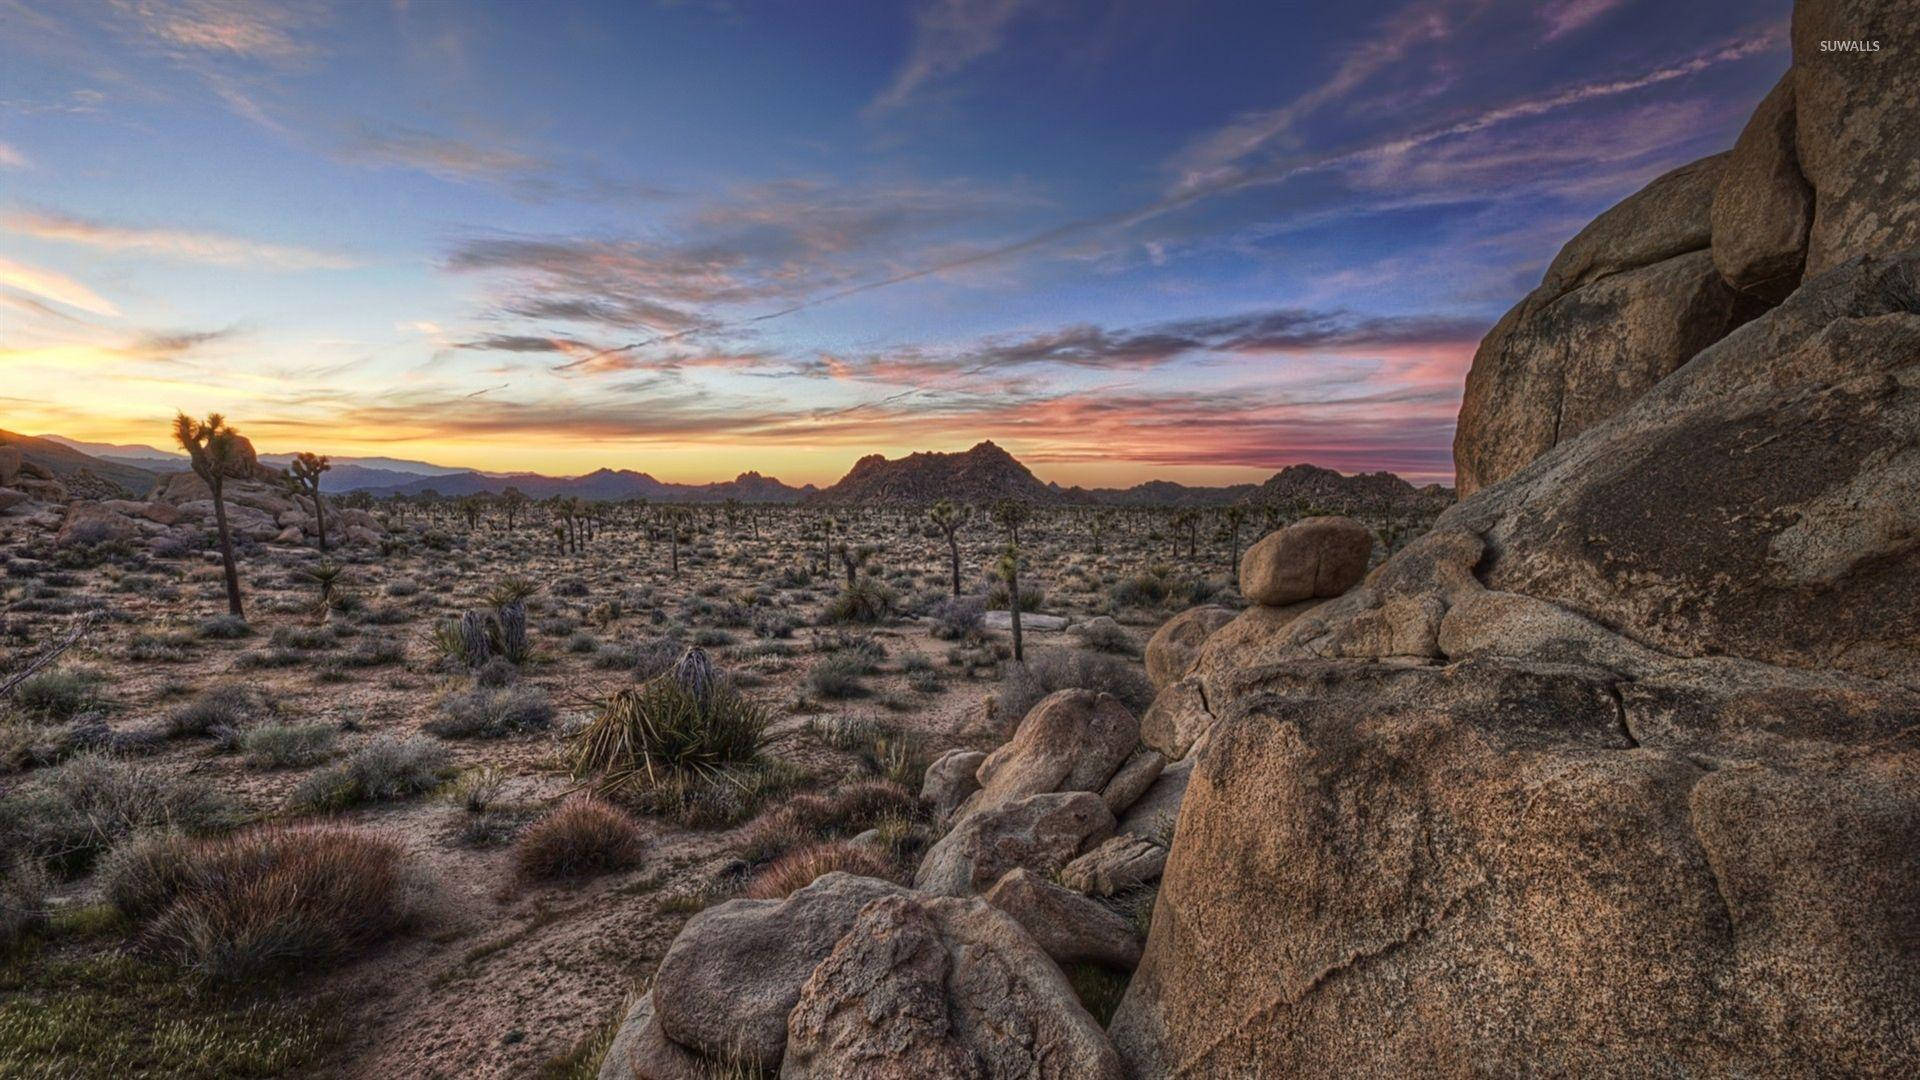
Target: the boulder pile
(1614, 771)
(1053, 839)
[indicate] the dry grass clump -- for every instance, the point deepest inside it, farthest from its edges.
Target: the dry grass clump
(231, 706)
(271, 900)
(812, 817)
(800, 867)
(383, 770)
(1022, 685)
(78, 810)
(483, 713)
(23, 900)
(584, 836)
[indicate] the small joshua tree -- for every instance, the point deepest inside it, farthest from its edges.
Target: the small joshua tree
(948, 518)
(303, 475)
(1236, 516)
(215, 450)
(327, 576)
(1010, 514)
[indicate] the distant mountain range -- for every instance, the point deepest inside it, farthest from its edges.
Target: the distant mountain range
(978, 476)
(986, 473)
(601, 484)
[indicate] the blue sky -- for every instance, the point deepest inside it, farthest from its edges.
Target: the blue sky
(1195, 241)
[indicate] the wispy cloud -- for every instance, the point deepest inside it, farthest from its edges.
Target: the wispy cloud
(184, 244)
(1564, 17)
(258, 30)
(51, 285)
(11, 158)
(948, 36)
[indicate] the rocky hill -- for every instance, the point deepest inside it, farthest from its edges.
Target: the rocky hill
(80, 472)
(978, 476)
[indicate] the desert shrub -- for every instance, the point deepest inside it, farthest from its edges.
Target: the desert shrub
(957, 616)
(498, 671)
(1032, 597)
(799, 868)
(276, 899)
(477, 789)
(270, 658)
(230, 705)
(81, 808)
(23, 900)
(1106, 636)
(1022, 685)
(304, 637)
(375, 652)
(867, 600)
(581, 642)
(383, 770)
(1149, 588)
(584, 836)
(286, 746)
(484, 713)
(161, 648)
(58, 695)
(691, 720)
(712, 638)
(224, 628)
(838, 675)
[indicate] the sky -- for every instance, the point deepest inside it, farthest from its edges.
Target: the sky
(1127, 240)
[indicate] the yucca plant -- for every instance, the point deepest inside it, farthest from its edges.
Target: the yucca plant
(327, 576)
(687, 721)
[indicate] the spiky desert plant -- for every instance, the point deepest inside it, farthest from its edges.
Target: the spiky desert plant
(304, 475)
(509, 599)
(687, 721)
(215, 451)
(327, 576)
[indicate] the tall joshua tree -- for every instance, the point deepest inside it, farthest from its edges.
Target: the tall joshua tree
(215, 450)
(304, 476)
(1010, 514)
(948, 518)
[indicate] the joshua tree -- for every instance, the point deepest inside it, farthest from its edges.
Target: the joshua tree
(853, 558)
(1010, 514)
(303, 475)
(509, 600)
(216, 452)
(948, 518)
(512, 501)
(1236, 516)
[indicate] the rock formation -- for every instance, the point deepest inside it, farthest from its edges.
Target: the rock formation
(1614, 771)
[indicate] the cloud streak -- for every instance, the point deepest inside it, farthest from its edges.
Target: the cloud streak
(51, 285)
(183, 244)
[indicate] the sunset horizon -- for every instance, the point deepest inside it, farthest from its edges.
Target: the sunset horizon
(482, 258)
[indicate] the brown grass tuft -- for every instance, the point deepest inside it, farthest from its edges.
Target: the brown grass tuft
(584, 836)
(265, 901)
(798, 868)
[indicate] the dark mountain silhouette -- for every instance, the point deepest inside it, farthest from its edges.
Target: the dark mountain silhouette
(979, 475)
(602, 485)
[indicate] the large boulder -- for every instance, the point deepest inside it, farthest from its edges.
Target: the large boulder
(931, 987)
(1155, 813)
(10, 461)
(88, 524)
(950, 780)
(1313, 558)
(1116, 865)
(1669, 217)
(1040, 832)
(1540, 867)
(641, 1051)
(1070, 927)
(10, 498)
(1561, 362)
(1762, 502)
(1072, 740)
(1857, 125)
(1173, 647)
(1763, 208)
(727, 983)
